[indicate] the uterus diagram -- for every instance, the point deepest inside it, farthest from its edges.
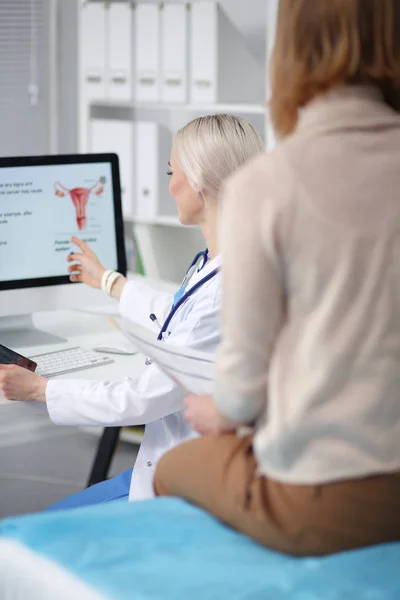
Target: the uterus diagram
(79, 197)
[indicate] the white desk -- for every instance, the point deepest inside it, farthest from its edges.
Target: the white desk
(80, 329)
(85, 329)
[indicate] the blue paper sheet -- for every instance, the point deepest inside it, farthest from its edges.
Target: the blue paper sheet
(166, 549)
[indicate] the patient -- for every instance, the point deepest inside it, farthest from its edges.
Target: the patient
(311, 301)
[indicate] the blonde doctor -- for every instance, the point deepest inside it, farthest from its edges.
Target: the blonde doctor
(204, 153)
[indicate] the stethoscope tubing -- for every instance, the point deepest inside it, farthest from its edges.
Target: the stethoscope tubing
(183, 300)
(203, 255)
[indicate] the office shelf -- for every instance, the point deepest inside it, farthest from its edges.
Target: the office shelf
(247, 109)
(168, 221)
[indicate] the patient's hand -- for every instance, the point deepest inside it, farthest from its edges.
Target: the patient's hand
(204, 417)
(87, 267)
(18, 383)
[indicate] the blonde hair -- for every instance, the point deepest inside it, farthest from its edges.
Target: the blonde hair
(322, 44)
(210, 149)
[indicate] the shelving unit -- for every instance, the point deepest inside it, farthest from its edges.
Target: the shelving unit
(165, 245)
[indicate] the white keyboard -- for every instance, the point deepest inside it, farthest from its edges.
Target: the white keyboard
(68, 361)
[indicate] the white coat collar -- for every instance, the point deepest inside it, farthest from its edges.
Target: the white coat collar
(215, 263)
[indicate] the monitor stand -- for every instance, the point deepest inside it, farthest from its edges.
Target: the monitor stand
(19, 331)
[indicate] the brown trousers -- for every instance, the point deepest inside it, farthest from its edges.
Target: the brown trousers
(219, 474)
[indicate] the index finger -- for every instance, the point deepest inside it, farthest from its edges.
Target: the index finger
(80, 243)
(75, 256)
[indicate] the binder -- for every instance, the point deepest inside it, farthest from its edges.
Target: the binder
(92, 30)
(147, 53)
(223, 69)
(120, 52)
(153, 148)
(203, 55)
(113, 135)
(174, 53)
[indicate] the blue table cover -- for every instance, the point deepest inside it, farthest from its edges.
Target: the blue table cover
(166, 549)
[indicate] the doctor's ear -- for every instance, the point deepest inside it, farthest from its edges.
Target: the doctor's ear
(199, 194)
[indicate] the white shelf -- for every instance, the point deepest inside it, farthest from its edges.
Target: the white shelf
(255, 109)
(170, 221)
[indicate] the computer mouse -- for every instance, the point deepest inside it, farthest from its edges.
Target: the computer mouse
(116, 349)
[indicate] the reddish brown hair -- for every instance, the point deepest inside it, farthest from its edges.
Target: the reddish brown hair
(322, 44)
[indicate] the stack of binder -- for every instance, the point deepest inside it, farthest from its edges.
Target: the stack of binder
(105, 51)
(153, 54)
(170, 53)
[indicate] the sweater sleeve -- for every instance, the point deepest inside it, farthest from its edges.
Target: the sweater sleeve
(252, 300)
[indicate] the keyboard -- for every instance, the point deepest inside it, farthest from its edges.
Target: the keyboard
(68, 361)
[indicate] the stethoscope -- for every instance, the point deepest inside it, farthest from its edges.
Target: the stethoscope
(197, 264)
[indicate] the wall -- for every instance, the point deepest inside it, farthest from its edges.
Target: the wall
(67, 84)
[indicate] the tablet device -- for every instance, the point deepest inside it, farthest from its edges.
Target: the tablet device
(9, 357)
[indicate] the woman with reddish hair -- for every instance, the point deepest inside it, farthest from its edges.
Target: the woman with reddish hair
(310, 352)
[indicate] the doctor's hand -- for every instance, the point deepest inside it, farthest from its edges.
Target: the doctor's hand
(204, 417)
(18, 383)
(87, 267)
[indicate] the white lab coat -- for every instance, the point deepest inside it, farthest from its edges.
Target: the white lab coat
(153, 399)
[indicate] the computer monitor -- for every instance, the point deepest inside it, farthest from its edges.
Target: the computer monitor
(44, 200)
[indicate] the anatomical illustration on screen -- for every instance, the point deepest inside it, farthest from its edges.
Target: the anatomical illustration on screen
(79, 197)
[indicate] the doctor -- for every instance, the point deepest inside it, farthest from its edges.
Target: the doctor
(204, 153)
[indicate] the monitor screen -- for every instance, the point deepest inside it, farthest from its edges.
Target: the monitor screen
(46, 200)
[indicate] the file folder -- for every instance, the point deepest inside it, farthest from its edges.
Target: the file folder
(113, 135)
(223, 69)
(120, 51)
(174, 71)
(204, 55)
(92, 36)
(147, 53)
(153, 148)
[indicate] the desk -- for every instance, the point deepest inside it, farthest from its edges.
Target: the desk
(79, 329)
(86, 328)
(22, 420)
